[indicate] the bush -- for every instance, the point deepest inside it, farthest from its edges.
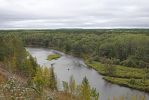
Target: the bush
(132, 81)
(131, 62)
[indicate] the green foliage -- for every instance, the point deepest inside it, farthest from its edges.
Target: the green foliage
(145, 78)
(53, 56)
(126, 76)
(81, 92)
(39, 79)
(72, 85)
(53, 82)
(131, 61)
(15, 57)
(132, 83)
(85, 90)
(109, 68)
(125, 47)
(94, 94)
(65, 86)
(129, 47)
(119, 71)
(44, 78)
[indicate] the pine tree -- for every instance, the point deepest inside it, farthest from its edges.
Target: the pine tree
(72, 85)
(46, 75)
(94, 94)
(53, 82)
(38, 80)
(85, 90)
(65, 86)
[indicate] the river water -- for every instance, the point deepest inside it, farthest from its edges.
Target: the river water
(67, 65)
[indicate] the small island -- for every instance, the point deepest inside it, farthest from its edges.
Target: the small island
(53, 56)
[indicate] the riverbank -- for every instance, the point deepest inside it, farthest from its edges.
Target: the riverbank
(78, 69)
(121, 73)
(138, 84)
(124, 76)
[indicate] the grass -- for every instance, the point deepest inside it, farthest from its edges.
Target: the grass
(136, 84)
(53, 56)
(121, 71)
(123, 75)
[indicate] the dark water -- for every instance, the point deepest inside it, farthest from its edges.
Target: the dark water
(78, 69)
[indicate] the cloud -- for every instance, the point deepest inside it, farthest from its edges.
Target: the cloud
(74, 13)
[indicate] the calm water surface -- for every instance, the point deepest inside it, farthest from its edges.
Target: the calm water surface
(78, 69)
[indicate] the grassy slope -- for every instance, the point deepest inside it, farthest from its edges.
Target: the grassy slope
(53, 56)
(123, 76)
(137, 83)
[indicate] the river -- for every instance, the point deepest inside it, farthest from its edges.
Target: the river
(67, 65)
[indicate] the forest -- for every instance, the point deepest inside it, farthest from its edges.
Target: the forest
(125, 47)
(121, 55)
(22, 78)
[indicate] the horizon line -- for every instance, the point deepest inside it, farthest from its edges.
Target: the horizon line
(67, 28)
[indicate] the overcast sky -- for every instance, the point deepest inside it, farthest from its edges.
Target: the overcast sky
(74, 13)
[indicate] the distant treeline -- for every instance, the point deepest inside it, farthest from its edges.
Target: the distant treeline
(129, 47)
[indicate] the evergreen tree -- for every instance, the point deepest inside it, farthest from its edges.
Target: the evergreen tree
(53, 82)
(38, 79)
(65, 86)
(72, 85)
(85, 90)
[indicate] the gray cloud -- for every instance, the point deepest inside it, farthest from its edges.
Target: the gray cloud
(74, 13)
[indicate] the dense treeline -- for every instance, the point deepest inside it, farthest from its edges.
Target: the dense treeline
(125, 47)
(14, 56)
